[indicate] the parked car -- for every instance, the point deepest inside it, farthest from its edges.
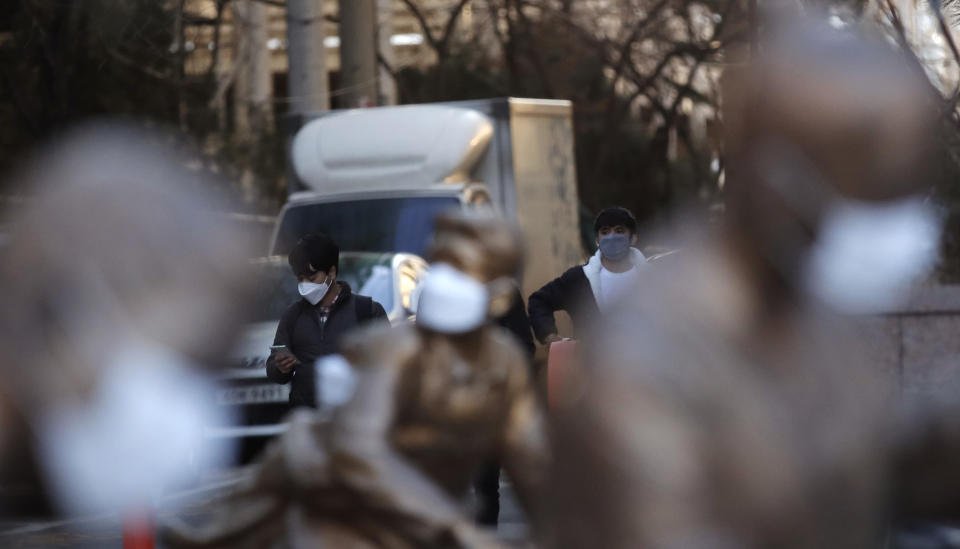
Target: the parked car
(389, 278)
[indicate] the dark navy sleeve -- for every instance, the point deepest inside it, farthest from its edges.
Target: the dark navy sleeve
(552, 297)
(282, 337)
(379, 314)
(517, 323)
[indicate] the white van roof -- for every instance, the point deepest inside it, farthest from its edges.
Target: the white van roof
(376, 190)
(405, 146)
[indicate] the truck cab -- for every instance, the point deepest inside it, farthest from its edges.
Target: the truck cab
(396, 220)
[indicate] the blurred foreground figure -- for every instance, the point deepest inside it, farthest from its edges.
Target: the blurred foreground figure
(726, 406)
(118, 288)
(429, 404)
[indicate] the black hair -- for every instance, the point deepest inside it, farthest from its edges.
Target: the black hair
(314, 253)
(611, 217)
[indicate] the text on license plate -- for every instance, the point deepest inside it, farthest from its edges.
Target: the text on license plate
(253, 394)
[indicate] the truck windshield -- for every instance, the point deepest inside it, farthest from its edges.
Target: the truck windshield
(374, 225)
(276, 287)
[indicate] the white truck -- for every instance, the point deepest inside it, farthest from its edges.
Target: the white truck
(374, 179)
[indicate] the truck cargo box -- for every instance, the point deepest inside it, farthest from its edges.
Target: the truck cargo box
(520, 150)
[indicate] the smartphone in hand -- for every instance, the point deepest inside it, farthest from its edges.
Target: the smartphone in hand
(280, 350)
(283, 359)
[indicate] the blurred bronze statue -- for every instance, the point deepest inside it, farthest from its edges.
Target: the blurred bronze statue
(432, 401)
(120, 288)
(727, 405)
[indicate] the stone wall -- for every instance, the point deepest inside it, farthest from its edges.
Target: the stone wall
(918, 345)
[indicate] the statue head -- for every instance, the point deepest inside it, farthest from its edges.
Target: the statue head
(475, 258)
(828, 140)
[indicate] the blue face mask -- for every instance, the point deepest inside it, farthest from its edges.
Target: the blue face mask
(615, 246)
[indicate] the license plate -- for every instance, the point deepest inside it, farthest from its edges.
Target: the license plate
(253, 394)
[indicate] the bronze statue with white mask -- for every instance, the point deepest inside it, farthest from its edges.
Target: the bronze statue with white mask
(431, 402)
(727, 405)
(122, 291)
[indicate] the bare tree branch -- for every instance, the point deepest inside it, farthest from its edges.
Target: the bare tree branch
(180, 66)
(506, 45)
(198, 20)
(945, 31)
(422, 20)
(534, 52)
(382, 61)
(452, 22)
(223, 84)
(440, 45)
(215, 55)
(143, 69)
(896, 21)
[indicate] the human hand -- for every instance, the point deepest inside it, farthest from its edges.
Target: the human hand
(551, 339)
(285, 362)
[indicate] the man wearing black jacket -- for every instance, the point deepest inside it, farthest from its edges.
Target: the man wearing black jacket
(312, 327)
(586, 290)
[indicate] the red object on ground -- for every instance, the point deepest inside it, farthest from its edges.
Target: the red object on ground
(138, 532)
(559, 362)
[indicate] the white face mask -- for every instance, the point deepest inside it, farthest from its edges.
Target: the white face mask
(335, 382)
(313, 292)
(867, 255)
(142, 432)
(450, 301)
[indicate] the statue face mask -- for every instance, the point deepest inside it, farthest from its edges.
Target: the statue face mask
(867, 255)
(135, 437)
(451, 302)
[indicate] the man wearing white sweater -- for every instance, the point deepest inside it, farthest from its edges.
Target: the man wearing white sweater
(587, 290)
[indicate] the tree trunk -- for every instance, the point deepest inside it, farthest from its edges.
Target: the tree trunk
(179, 35)
(261, 77)
(358, 57)
(241, 82)
(307, 73)
(388, 86)
(252, 89)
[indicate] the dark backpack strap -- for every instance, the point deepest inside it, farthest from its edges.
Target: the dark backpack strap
(363, 308)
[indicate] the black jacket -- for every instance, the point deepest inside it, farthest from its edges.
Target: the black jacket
(570, 292)
(301, 331)
(517, 323)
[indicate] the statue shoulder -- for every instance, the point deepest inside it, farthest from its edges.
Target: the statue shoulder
(381, 346)
(509, 356)
(505, 345)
